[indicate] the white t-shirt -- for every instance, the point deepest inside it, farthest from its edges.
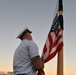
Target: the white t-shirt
(22, 58)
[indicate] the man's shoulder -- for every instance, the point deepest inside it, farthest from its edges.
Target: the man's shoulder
(29, 42)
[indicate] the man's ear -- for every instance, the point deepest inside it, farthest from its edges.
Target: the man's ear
(26, 35)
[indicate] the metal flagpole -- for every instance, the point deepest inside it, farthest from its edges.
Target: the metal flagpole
(60, 53)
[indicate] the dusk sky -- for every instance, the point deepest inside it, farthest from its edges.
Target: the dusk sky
(37, 15)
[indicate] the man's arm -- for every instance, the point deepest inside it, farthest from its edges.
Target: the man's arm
(37, 62)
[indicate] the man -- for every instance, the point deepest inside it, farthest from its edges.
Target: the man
(26, 59)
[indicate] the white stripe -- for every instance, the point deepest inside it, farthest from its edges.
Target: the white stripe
(60, 40)
(54, 49)
(47, 46)
(53, 36)
(60, 33)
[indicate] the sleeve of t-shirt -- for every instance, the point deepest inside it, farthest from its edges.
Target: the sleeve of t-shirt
(33, 49)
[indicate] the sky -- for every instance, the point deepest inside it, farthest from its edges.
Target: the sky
(37, 15)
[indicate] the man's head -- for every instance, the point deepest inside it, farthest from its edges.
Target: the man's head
(25, 34)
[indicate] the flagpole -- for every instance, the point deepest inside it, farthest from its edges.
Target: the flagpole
(60, 52)
(60, 62)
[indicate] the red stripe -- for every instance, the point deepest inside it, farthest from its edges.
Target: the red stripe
(55, 43)
(50, 56)
(44, 49)
(58, 38)
(51, 42)
(60, 46)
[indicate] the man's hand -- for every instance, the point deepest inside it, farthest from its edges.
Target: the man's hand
(37, 62)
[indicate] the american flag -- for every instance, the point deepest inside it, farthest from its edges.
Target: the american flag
(54, 42)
